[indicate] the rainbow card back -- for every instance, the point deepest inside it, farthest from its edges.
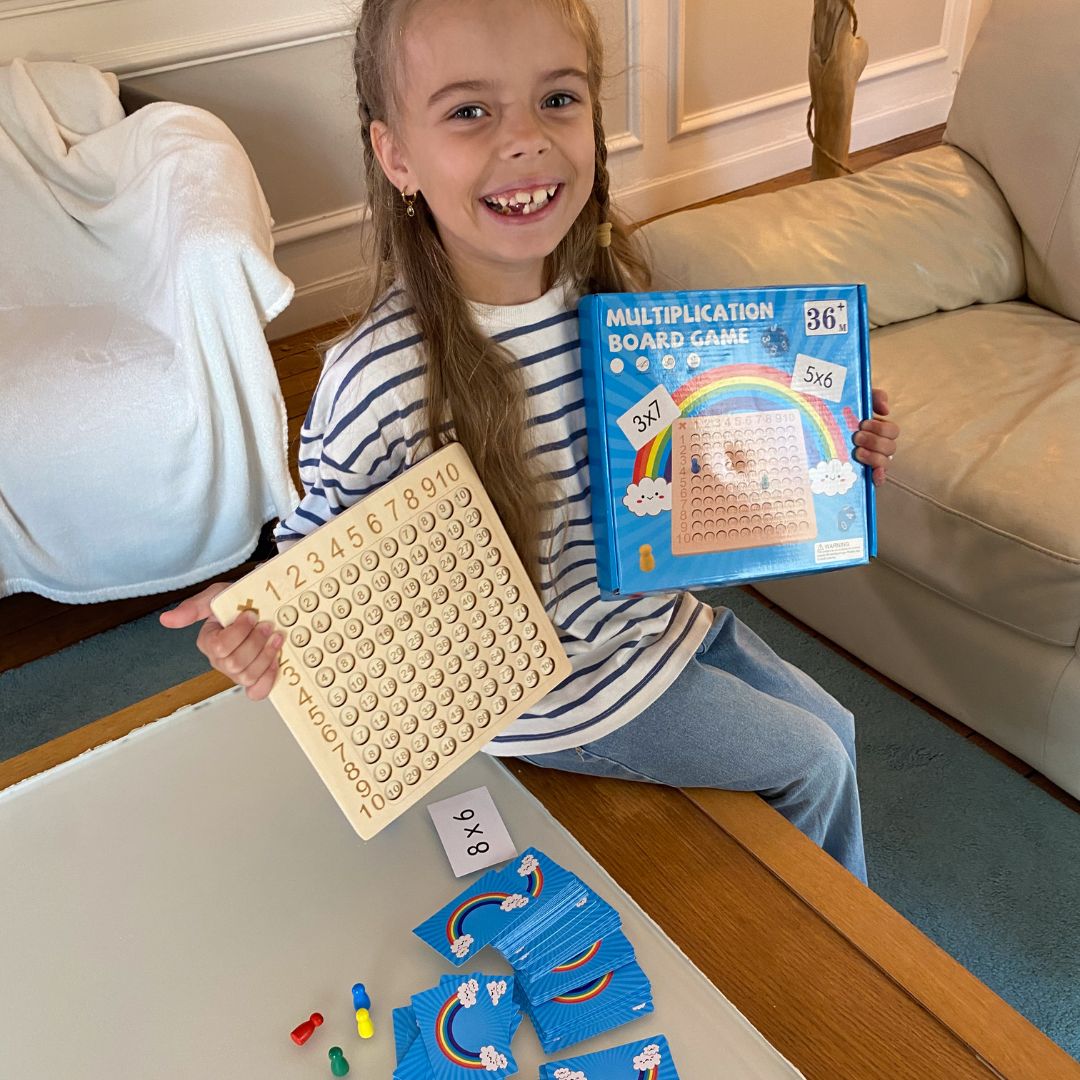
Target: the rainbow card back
(720, 429)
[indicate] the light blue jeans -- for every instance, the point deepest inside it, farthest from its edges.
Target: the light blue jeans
(739, 717)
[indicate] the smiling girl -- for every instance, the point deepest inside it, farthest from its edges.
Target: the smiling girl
(486, 170)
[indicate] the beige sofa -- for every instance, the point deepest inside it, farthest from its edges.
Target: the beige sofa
(971, 254)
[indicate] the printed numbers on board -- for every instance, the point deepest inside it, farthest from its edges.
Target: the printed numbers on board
(825, 317)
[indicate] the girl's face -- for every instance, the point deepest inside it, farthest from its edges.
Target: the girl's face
(496, 131)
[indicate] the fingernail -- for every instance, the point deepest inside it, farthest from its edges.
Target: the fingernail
(275, 641)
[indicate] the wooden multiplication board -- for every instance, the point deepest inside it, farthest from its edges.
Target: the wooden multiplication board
(413, 636)
(740, 480)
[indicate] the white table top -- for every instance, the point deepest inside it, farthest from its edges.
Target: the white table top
(174, 903)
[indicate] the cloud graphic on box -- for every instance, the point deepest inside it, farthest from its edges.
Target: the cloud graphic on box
(491, 1059)
(832, 477)
(528, 865)
(496, 990)
(462, 945)
(648, 497)
(566, 1074)
(514, 901)
(649, 1058)
(466, 993)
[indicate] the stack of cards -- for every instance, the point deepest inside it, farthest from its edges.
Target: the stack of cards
(608, 1001)
(507, 908)
(462, 1026)
(649, 1059)
(576, 974)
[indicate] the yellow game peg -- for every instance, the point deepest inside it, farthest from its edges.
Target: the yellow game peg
(364, 1028)
(646, 560)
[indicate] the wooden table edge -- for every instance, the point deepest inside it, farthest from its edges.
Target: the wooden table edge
(109, 728)
(1002, 1038)
(998, 1034)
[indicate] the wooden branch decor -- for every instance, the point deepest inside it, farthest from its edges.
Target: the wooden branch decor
(837, 59)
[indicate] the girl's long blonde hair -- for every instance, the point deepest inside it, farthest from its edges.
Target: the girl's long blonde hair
(471, 380)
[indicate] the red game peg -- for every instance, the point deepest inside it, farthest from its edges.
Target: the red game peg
(302, 1032)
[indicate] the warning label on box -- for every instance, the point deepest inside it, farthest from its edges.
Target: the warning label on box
(834, 551)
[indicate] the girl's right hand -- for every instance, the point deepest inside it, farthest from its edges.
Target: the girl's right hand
(246, 650)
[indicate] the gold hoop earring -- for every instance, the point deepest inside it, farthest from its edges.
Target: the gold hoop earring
(409, 201)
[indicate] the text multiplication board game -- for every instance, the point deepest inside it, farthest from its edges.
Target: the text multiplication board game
(720, 429)
(413, 636)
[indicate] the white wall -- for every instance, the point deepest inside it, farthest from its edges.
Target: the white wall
(708, 97)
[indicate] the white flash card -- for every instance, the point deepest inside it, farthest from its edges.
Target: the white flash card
(818, 377)
(472, 831)
(645, 420)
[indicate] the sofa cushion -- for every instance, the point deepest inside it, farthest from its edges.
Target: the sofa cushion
(1014, 113)
(982, 500)
(927, 232)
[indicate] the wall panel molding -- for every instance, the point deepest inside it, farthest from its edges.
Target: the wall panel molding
(685, 124)
(632, 136)
(18, 9)
(680, 124)
(198, 49)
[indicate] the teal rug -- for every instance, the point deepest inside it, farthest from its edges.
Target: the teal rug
(982, 861)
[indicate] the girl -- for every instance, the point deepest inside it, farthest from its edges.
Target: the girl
(486, 171)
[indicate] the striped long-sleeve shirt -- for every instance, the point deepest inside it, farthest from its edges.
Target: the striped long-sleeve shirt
(366, 424)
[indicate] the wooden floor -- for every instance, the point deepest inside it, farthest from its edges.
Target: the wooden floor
(32, 627)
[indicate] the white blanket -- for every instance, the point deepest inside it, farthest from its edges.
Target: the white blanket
(142, 429)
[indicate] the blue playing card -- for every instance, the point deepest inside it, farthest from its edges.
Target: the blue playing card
(472, 919)
(405, 1030)
(531, 890)
(415, 1065)
(647, 1059)
(466, 1025)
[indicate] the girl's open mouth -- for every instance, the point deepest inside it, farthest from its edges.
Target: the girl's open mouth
(523, 203)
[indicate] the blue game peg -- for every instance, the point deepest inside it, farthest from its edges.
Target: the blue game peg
(360, 999)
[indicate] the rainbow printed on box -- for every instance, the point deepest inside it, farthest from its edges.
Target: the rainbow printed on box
(720, 429)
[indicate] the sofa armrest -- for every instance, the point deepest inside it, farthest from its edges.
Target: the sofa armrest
(927, 232)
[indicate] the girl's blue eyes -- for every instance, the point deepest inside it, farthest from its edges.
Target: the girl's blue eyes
(474, 112)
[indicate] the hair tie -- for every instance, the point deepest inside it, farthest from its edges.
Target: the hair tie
(603, 234)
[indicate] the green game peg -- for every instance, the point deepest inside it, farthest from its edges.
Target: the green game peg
(338, 1065)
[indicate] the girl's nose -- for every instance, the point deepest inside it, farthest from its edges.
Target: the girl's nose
(524, 134)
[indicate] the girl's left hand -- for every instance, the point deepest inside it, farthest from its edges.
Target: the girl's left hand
(875, 441)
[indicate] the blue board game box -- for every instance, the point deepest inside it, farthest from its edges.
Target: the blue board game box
(720, 429)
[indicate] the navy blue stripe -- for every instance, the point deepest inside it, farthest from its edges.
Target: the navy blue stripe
(370, 358)
(370, 329)
(583, 494)
(558, 414)
(586, 541)
(329, 364)
(597, 627)
(591, 580)
(562, 380)
(307, 515)
(532, 328)
(562, 444)
(549, 354)
(569, 569)
(347, 463)
(593, 721)
(408, 444)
